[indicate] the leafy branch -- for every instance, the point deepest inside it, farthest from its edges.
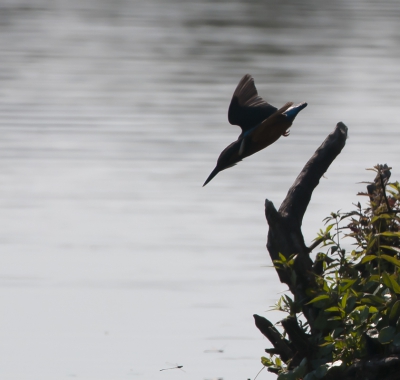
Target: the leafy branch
(345, 310)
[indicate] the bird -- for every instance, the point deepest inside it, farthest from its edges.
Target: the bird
(261, 123)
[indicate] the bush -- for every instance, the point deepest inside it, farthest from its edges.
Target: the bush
(356, 292)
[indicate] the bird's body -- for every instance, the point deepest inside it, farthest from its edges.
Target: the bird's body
(261, 124)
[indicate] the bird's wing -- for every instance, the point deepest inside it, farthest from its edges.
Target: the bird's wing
(267, 130)
(247, 109)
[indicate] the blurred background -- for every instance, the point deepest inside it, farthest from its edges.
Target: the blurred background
(114, 261)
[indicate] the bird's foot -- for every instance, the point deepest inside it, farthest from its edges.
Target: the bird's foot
(286, 133)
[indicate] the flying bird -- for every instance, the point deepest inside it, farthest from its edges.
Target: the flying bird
(261, 123)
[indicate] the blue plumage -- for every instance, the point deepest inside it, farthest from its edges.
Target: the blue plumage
(292, 112)
(261, 123)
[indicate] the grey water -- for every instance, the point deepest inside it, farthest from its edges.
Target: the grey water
(114, 261)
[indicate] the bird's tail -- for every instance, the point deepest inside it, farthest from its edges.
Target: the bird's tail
(212, 175)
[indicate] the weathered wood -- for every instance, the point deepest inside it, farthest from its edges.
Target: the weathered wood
(285, 237)
(285, 234)
(282, 345)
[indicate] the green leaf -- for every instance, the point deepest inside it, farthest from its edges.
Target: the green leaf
(310, 376)
(374, 278)
(321, 371)
(368, 258)
(392, 248)
(296, 373)
(382, 216)
(395, 284)
(393, 185)
(282, 257)
(350, 304)
(344, 300)
(286, 376)
(336, 318)
(266, 361)
(390, 234)
(319, 298)
(329, 228)
(364, 314)
(373, 310)
(391, 260)
(288, 300)
(386, 335)
(370, 299)
(386, 280)
(348, 284)
(334, 308)
(370, 244)
(336, 332)
(394, 313)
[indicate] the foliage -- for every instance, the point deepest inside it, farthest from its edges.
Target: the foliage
(356, 297)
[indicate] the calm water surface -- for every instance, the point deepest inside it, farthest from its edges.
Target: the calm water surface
(114, 259)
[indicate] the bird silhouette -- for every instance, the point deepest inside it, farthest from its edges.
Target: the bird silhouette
(261, 123)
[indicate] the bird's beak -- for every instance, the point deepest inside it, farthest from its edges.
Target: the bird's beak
(211, 176)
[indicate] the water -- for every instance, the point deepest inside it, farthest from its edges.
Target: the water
(114, 259)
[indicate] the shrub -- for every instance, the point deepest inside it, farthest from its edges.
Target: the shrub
(356, 292)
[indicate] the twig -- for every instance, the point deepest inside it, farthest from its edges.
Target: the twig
(259, 372)
(384, 191)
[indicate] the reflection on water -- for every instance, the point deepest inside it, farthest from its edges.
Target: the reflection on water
(112, 115)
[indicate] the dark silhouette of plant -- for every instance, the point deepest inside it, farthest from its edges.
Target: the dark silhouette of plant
(353, 297)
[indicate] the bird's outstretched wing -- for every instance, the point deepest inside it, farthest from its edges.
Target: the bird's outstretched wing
(247, 109)
(267, 130)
